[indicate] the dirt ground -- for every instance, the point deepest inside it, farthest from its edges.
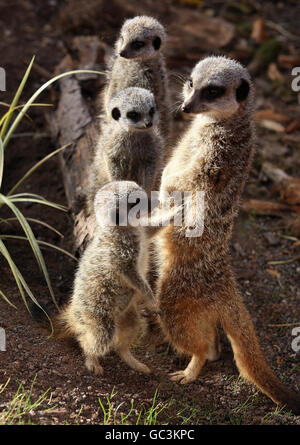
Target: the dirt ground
(50, 374)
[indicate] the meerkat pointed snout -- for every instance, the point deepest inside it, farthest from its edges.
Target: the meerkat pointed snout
(217, 87)
(134, 109)
(141, 37)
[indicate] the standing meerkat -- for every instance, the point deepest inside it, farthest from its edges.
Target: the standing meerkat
(138, 61)
(111, 282)
(197, 291)
(130, 146)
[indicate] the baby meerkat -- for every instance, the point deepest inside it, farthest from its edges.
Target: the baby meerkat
(197, 290)
(138, 62)
(111, 282)
(130, 146)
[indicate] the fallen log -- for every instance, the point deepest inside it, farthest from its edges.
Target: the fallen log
(260, 207)
(287, 186)
(72, 122)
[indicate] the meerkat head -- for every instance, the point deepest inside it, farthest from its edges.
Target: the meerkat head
(217, 87)
(140, 37)
(134, 109)
(121, 204)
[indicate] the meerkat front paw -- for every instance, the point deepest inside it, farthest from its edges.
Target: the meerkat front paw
(94, 366)
(151, 309)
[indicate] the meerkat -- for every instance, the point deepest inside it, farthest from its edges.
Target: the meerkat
(110, 286)
(196, 290)
(130, 146)
(138, 61)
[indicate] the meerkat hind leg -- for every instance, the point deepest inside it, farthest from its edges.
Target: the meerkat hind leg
(214, 348)
(93, 365)
(191, 372)
(126, 333)
(195, 343)
(90, 346)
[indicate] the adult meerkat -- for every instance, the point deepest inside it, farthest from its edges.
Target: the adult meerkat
(110, 286)
(138, 61)
(197, 291)
(130, 146)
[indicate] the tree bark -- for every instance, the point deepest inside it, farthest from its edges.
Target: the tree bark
(72, 123)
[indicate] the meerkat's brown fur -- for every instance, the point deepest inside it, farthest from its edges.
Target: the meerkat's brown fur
(197, 290)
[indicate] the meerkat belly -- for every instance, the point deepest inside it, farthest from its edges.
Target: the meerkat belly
(130, 158)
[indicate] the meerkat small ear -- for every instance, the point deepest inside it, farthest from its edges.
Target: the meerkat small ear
(156, 43)
(242, 91)
(116, 114)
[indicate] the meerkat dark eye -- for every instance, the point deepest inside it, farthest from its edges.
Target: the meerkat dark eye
(116, 114)
(212, 92)
(242, 91)
(190, 82)
(152, 111)
(134, 116)
(156, 43)
(137, 45)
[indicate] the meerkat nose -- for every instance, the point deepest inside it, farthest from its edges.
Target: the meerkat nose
(186, 108)
(123, 53)
(149, 124)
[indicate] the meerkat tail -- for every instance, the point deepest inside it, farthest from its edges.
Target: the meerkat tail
(249, 358)
(62, 324)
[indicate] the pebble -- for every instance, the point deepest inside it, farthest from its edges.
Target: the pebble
(272, 238)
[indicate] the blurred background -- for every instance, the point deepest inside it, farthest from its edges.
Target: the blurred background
(262, 35)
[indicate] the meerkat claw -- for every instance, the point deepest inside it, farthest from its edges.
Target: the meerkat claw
(94, 367)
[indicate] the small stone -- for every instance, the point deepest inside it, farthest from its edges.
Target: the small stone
(238, 248)
(272, 238)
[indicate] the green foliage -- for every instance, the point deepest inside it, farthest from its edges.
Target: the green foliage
(8, 126)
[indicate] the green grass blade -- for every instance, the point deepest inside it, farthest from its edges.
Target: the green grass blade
(37, 221)
(22, 283)
(2, 294)
(35, 167)
(40, 201)
(42, 243)
(16, 98)
(35, 96)
(33, 242)
(11, 110)
(1, 162)
(14, 270)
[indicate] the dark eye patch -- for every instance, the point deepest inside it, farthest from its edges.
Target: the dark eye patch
(137, 44)
(152, 111)
(116, 114)
(212, 92)
(242, 91)
(156, 43)
(134, 116)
